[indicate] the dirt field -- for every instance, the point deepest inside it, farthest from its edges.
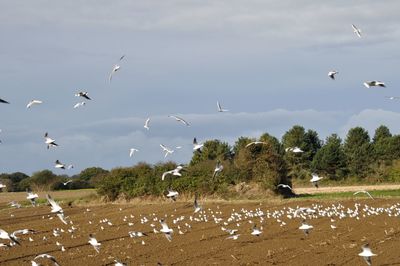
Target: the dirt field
(205, 243)
(313, 190)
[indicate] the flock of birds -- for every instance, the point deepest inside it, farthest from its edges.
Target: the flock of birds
(235, 219)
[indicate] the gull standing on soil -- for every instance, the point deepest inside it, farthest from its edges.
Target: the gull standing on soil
(33, 102)
(315, 179)
(166, 150)
(365, 192)
(146, 124)
(220, 108)
(356, 30)
(256, 231)
(49, 141)
(132, 151)
(166, 230)
(83, 94)
(179, 119)
(367, 254)
(93, 241)
(32, 197)
(374, 83)
(45, 256)
(332, 74)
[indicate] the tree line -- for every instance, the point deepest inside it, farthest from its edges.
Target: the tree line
(268, 163)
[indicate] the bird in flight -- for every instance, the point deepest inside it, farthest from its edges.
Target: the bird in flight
(218, 168)
(356, 30)
(180, 119)
(166, 230)
(132, 152)
(256, 143)
(32, 197)
(306, 227)
(196, 205)
(49, 141)
(3, 101)
(220, 109)
(175, 172)
(93, 241)
(146, 124)
(45, 256)
(197, 146)
(315, 179)
(284, 186)
(66, 183)
(374, 83)
(83, 94)
(80, 104)
(166, 150)
(363, 191)
(172, 194)
(367, 254)
(115, 68)
(294, 149)
(392, 97)
(33, 102)
(332, 74)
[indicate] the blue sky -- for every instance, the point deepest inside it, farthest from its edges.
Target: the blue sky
(265, 61)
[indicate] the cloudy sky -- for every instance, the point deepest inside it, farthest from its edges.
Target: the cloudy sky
(265, 61)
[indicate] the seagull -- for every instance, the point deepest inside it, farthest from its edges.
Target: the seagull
(166, 230)
(66, 183)
(175, 172)
(220, 108)
(356, 30)
(256, 231)
(197, 146)
(196, 205)
(392, 97)
(33, 102)
(15, 204)
(218, 168)
(117, 263)
(45, 256)
(294, 149)
(315, 178)
(146, 124)
(132, 152)
(179, 119)
(365, 192)
(172, 194)
(373, 83)
(167, 150)
(332, 74)
(5, 235)
(56, 208)
(60, 165)
(115, 68)
(83, 94)
(77, 105)
(284, 186)
(32, 197)
(3, 101)
(234, 237)
(49, 141)
(306, 227)
(256, 143)
(367, 254)
(93, 241)
(2, 186)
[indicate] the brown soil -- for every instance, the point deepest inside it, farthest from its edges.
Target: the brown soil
(205, 243)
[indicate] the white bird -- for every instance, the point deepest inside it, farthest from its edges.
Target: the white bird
(132, 152)
(332, 74)
(218, 168)
(33, 102)
(256, 231)
(59, 165)
(365, 192)
(66, 183)
(45, 256)
(374, 83)
(6, 236)
(2, 186)
(146, 124)
(392, 97)
(166, 230)
(93, 241)
(115, 68)
(15, 204)
(284, 186)
(179, 119)
(172, 194)
(315, 178)
(294, 149)
(83, 94)
(196, 205)
(197, 146)
(220, 108)
(367, 254)
(166, 150)
(256, 143)
(117, 263)
(77, 105)
(175, 172)
(234, 237)
(56, 208)
(356, 30)
(49, 141)
(306, 227)
(32, 197)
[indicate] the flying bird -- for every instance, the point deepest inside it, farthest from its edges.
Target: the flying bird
(175, 172)
(115, 68)
(218, 168)
(374, 83)
(294, 149)
(315, 179)
(32, 197)
(6, 236)
(166, 230)
(45, 256)
(83, 94)
(367, 254)
(332, 74)
(59, 165)
(93, 241)
(166, 150)
(33, 102)
(306, 227)
(284, 186)
(197, 146)
(220, 108)
(256, 143)
(146, 124)
(132, 151)
(365, 192)
(56, 208)
(179, 119)
(196, 205)
(172, 194)
(66, 183)
(356, 30)
(80, 104)
(49, 141)
(3, 101)
(256, 231)
(392, 97)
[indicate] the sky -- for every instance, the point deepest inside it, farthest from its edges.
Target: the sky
(266, 61)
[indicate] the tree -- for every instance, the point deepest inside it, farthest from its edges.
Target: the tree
(358, 151)
(212, 150)
(43, 180)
